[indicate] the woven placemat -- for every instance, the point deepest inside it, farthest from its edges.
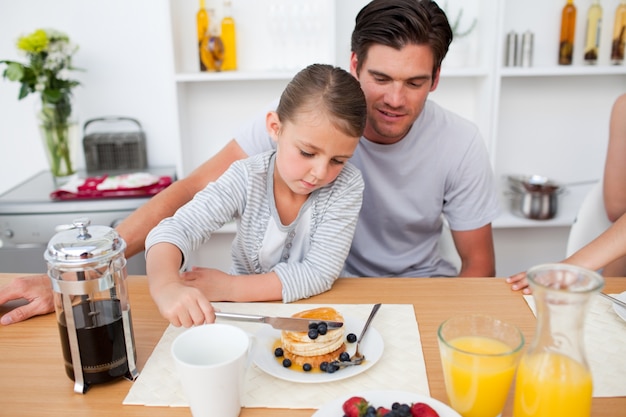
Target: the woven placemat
(401, 366)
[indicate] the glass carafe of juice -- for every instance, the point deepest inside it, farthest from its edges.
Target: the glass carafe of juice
(553, 377)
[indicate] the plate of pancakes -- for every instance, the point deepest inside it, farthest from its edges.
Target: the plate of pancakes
(300, 349)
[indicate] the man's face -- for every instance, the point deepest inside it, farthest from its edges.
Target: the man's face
(396, 84)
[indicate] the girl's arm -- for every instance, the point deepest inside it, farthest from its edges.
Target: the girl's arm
(178, 303)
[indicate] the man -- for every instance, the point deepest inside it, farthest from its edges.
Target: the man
(419, 162)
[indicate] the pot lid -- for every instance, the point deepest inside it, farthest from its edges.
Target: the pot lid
(534, 183)
(81, 244)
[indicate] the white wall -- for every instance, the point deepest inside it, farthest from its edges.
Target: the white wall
(125, 50)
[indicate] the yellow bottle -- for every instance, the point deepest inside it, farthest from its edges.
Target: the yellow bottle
(215, 46)
(594, 27)
(229, 39)
(568, 29)
(202, 25)
(619, 34)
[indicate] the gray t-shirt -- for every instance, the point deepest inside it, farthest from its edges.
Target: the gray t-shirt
(440, 168)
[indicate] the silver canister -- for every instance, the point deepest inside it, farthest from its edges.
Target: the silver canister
(526, 51)
(510, 55)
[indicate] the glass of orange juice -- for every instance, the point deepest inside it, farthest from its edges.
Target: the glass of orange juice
(479, 356)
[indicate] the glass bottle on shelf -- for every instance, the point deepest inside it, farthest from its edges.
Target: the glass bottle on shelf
(619, 34)
(594, 27)
(215, 46)
(553, 376)
(202, 25)
(229, 38)
(568, 29)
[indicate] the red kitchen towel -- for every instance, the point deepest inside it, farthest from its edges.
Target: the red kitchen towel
(139, 184)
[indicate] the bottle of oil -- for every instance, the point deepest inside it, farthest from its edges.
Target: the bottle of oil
(594, 28)
(568, 29)
(202, 25)
(229, 38)
(619, 34)
(215, 46)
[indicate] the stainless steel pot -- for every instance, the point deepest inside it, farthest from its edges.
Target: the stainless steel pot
(534, 196)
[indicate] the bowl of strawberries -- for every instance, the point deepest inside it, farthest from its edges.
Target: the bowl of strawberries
(385, 404)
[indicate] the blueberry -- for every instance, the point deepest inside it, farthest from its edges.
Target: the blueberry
(286, 363)
(278, 352)
(404, 410)
(322, 328)
(313, 325)
(307, 367)
(344, 357)
(351, 337)
(313, 334)
(324, 366)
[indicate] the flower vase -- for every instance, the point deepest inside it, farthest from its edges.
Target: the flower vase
(60, 137)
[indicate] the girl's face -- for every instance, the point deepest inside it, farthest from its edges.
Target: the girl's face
(311, 151)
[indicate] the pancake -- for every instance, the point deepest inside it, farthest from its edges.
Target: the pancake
(301, 349)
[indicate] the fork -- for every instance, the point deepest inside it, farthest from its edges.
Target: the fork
(614, 300)
(358, 357)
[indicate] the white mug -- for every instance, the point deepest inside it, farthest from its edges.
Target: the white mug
(211, 362)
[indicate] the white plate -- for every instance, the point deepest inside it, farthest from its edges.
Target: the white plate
(371, 346)
(621, 311)
(385, 399)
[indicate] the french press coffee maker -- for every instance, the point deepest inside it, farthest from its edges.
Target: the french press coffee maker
(87, 269)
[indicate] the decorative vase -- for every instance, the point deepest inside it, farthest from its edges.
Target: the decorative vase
(59, 134)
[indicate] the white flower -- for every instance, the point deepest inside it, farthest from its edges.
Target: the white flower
(64, 74)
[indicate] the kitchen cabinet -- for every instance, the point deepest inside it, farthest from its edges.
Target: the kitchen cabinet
(546, 119)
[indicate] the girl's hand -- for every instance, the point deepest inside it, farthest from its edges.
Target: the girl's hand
(183, 305)
(519, 282)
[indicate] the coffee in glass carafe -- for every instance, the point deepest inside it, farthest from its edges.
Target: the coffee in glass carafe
(87, 268)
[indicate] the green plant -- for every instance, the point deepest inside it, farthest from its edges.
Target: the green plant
(49, 54)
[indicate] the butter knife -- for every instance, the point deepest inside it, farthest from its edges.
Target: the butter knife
(614, 300)
(281, 323)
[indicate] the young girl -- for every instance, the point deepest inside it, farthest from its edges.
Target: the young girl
(296, 208)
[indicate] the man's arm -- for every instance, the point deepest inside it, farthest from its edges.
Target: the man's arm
(475, 247)
(136, 227)
(36, 289)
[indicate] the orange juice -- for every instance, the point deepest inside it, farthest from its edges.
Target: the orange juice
(478, 375)
(549, 384)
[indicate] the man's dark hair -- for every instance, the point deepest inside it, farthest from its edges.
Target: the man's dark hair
(397, 23)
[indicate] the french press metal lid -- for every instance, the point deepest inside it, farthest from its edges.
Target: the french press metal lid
(74, 246)
(87, 268)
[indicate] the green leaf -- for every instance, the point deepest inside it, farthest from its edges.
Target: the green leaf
(14, 71)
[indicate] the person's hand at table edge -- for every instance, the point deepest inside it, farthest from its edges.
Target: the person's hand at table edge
(35, 289)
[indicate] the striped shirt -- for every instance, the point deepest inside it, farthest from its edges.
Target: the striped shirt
(245, 194)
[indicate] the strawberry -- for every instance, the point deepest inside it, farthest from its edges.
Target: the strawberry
(423, 410)
(355, 406)
(381, 411)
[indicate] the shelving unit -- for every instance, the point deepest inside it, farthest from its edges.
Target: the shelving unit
(547, 119)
